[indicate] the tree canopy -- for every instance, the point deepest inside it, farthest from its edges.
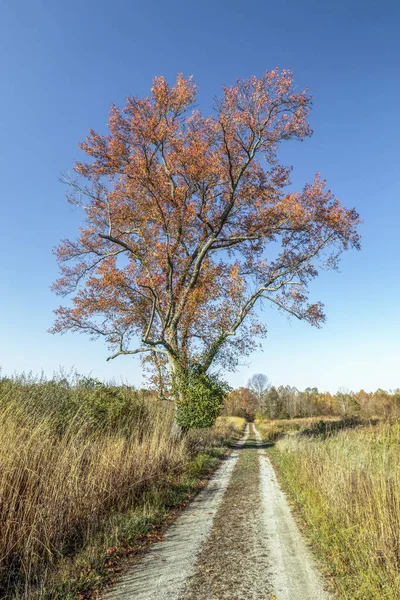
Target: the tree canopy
(190, 225)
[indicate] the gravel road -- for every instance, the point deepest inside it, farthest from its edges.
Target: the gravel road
(162, 572)
(293, 573)
(236, 541)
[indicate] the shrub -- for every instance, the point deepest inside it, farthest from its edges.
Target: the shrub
(202, 399)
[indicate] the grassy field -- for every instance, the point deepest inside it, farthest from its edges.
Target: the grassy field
(87, 473)
(346, 484)
(273, 429)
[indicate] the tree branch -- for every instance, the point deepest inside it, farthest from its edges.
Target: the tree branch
(110, 238)
(137, 351)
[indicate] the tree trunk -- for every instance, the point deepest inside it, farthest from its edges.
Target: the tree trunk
(177, 432)
(176, 371)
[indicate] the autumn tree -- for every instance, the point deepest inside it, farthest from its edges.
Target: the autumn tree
(180, 210)
(272, 403)
(242, 402)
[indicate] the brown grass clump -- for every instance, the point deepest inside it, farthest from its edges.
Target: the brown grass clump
(70, 455)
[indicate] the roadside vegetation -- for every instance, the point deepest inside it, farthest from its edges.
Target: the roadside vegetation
(344, 477)
(337, 456)
(88, 473)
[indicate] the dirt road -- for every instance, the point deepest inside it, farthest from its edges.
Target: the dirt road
(237, 541)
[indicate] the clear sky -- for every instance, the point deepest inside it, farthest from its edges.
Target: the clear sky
(64, 63)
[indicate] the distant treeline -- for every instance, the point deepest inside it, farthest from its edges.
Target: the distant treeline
(71, 396)
(286, 402)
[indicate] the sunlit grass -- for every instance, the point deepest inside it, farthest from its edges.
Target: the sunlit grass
(237, 422)
(71, 457)
(348, 489)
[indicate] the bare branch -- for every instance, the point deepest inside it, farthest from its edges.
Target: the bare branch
(137, 351)
(121, 243)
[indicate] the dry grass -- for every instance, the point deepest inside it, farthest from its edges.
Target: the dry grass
(348, 488)
(238, 423)
(273, 429)
(69, 458)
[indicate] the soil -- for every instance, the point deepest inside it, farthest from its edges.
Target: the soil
(233, 563)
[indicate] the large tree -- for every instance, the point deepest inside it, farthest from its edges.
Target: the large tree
(190, 226)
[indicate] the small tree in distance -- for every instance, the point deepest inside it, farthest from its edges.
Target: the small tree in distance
(180, 209)
(259, 384)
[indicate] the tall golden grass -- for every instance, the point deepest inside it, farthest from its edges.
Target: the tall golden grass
(348, 488)
(69, 456)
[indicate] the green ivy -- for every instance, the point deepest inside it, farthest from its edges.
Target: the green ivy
(201, 398)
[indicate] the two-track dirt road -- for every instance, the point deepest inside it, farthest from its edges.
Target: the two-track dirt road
(237, 541)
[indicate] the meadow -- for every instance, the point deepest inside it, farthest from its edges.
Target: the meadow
(88, 472)
(345, 481)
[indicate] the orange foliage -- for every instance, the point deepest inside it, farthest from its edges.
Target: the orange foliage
(180, 209)
(242, 402)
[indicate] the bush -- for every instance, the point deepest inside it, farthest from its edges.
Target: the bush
(73, 403)
(202, 399)
(111, 408)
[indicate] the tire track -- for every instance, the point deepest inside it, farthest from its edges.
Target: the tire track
(294, 574)
(234, 562)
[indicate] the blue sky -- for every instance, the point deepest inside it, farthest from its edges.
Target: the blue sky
(64, 63)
